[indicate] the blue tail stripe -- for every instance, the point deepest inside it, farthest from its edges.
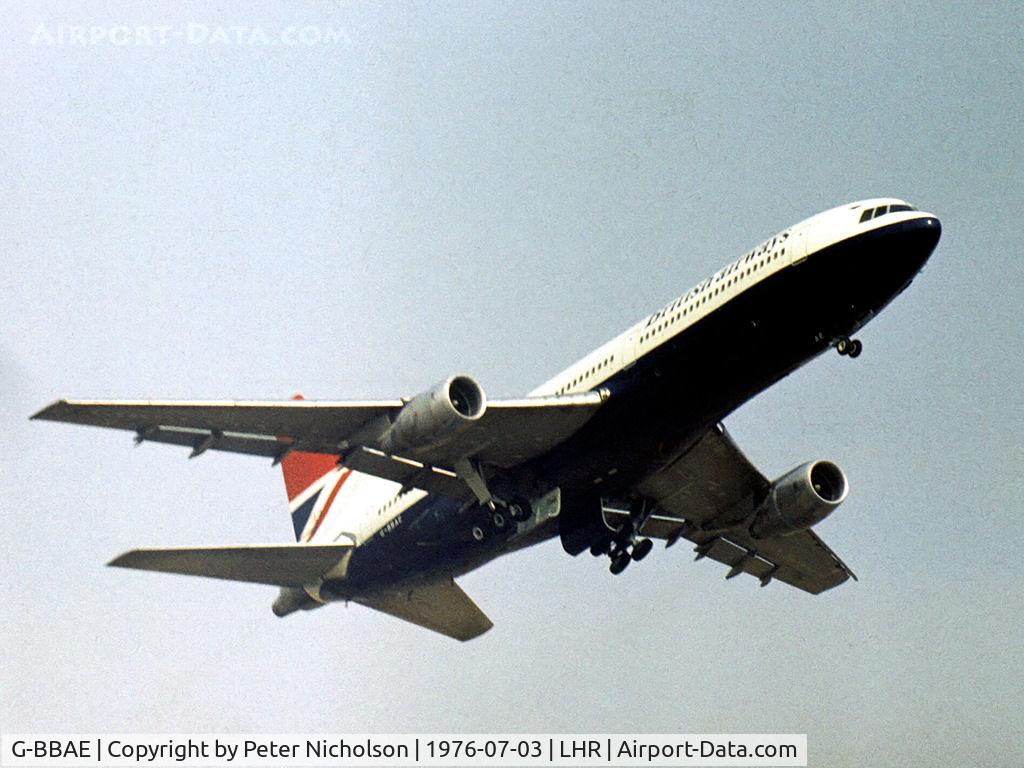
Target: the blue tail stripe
(301, 515)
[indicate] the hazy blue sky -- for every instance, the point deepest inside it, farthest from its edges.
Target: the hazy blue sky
(498, 190)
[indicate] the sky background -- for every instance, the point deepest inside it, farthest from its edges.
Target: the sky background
(498, 190)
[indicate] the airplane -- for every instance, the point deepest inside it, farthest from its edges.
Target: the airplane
(391, 500)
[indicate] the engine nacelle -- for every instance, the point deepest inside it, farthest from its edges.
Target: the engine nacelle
(292, 599)
(800, 499)
(435, 416)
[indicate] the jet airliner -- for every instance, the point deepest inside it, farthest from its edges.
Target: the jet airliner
(391, 500)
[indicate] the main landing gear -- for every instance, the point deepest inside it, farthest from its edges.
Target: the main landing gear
(497, 517)
(849, 347)
(625, 545)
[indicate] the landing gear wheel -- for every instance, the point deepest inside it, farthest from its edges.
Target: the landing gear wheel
(843, 346)
(619, 562)
(519, 509)
(855, 348)
(478, 533)
(498, 521)
(600, 548)
(642, 549)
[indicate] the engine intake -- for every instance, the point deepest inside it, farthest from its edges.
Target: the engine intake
(432, 418)
(801, 498)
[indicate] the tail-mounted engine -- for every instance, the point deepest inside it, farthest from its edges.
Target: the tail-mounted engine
(432, 418)
(800, 499)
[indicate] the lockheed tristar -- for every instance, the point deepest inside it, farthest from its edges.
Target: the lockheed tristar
(391, 500)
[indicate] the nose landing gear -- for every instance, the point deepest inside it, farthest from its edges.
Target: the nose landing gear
(849, 347)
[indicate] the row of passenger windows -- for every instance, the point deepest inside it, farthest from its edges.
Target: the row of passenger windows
(874, 213)
(587, 374)
(708, 295)
(700, 299)
(391, 502)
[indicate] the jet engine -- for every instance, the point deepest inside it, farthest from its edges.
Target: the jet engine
(433, 417)
(800, 499)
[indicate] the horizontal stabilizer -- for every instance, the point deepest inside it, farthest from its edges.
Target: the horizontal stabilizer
(282, 565)
(440, 605)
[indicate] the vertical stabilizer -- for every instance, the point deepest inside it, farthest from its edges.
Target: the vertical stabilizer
(311, 480)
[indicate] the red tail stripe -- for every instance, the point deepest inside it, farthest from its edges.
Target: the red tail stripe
(330, 500)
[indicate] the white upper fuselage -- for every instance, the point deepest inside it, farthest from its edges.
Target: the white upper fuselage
(790, 246)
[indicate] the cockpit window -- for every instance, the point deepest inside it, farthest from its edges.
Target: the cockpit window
(874, 213)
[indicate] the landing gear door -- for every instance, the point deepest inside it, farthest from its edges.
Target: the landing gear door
(548, 505)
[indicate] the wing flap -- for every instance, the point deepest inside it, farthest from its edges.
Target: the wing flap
(801, 559)
(201, 440)
(440, 606)
(282, 565)
(408, 473)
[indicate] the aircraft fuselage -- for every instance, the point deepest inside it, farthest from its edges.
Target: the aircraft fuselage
(674, 375)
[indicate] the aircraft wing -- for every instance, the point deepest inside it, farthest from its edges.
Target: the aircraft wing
(441, 606)
(714, 481)
(508, 433)
(282, 565)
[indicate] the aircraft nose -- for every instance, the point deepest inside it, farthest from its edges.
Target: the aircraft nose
(930, 230)
(919, 238)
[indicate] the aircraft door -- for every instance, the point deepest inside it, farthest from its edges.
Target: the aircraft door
(796, 246)
(632, 351)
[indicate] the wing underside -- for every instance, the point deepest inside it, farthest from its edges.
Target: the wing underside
(712, 485)
(509, 431)
(507, 434)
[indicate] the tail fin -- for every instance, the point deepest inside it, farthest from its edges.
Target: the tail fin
(302, 471)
